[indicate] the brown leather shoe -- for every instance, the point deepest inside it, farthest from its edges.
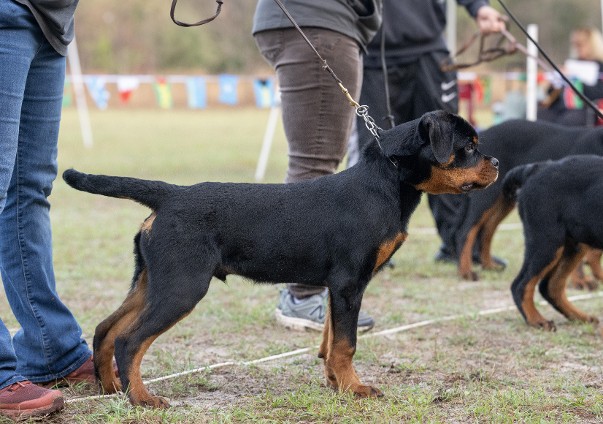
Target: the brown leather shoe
(84, 374)
(24, 399)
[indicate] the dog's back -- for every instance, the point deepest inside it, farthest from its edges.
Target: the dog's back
(561, 198)
(517, 142)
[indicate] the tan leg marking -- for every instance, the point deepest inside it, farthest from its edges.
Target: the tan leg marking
(339, 361)
(579, 280)
(593, 258)
(532, 316)
(327, 341)
(466, 256)
(118, 322)
(557, 283)
(137, 392)
(493, 217)
(487, 225)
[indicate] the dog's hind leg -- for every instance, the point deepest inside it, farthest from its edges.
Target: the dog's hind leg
(117, 322)
(593, 258)
(553, 287)
(579, 280)
(170, 297)
(492, 218)
(465, 257)
(344, 304)
(536, 266)
(107, 330)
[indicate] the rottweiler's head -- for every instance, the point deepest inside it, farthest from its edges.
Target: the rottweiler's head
(438, 154)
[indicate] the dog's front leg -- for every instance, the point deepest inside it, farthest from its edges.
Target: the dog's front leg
(323, 352)
(339, 345)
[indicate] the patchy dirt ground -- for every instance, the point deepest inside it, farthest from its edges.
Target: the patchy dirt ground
(459, 370)
(473, 368)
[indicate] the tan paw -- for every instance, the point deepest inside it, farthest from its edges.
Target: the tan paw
(592, 285)
(363, 391)
(470, 276)
(543, 325)
(592, 319)
(493, 266)
(584, 284)
(151, 402)
(154, 402)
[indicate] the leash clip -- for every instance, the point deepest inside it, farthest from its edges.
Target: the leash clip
(374, 129)
(369, 122)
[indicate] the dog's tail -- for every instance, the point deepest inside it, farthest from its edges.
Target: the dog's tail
(515, 179)
(148, 193)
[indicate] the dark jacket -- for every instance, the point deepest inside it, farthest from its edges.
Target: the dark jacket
(413, 28)
(358, 19)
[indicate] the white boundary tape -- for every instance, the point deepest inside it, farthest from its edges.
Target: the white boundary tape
(432, 230)
(297, 352)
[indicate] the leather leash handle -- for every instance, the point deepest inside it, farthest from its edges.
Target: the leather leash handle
(202, 22)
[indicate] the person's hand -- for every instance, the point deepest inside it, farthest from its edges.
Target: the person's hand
(489, 20)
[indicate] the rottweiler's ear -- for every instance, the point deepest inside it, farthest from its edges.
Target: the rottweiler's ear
(438, 128)
(402, 140)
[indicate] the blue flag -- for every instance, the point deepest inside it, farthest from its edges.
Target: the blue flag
(263, 89)
(228, 89)
(98, 91)
(197, 92)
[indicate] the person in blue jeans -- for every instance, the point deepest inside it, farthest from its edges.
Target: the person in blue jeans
(48, 348)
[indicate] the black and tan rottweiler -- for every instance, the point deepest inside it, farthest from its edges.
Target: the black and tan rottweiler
(560, 206)
(513, 143)
(335, 231)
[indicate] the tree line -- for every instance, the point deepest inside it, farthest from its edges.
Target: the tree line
(138, 36)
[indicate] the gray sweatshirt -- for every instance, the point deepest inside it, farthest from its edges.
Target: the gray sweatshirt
(358, 19)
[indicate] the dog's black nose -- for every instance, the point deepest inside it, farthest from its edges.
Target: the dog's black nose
(494, 162)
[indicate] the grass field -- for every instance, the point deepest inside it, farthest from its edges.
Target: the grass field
(473, 368)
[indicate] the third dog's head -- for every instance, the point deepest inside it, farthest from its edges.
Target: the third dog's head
(438, 153)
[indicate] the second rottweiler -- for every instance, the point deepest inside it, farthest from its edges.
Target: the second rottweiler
(513, 143)
(335, 231)
(560, 207)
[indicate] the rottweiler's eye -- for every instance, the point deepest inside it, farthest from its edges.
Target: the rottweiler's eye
(469, 148)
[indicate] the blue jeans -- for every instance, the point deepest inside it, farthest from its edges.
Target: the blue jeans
(49, 344)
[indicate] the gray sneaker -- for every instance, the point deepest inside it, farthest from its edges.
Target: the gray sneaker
(309, 313)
